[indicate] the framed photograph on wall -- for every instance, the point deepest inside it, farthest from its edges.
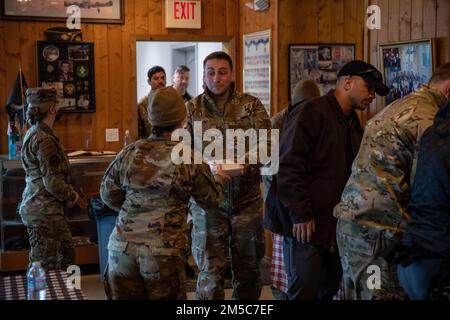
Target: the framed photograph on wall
(405, 66)
(318, 62)
(99, 11)
(256, 66)
(68, 67)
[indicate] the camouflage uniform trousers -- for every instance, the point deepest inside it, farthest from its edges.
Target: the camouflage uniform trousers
(359, 248)
(135, 273)
(215, 236)
(51, 243)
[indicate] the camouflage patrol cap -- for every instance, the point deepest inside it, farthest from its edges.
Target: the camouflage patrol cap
(166, 107)
(40, 98)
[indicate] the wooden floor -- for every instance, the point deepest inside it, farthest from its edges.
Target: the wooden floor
(93, 289)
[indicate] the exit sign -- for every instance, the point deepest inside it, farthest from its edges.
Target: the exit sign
(183, 14)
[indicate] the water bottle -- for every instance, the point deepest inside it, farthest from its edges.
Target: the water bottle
(12, 148)
(13, 137)
(36, 282)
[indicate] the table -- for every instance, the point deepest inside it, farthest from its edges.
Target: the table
(14, 287)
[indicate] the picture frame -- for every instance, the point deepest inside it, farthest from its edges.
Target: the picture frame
(98, 11)
(405, 66)
(256, 66)
(68, 67)
(318, 62)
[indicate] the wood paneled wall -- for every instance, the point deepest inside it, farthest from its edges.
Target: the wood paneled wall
(312, 21)
(290, 21)
(343, 21)
(253, 21)
(404, 20)
(114, 64)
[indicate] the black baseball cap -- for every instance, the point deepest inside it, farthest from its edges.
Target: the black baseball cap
(368, 72)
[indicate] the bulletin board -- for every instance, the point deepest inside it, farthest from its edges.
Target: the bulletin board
(256, 66)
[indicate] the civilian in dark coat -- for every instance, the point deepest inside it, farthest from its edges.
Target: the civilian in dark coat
(304, 90)
(318, 146)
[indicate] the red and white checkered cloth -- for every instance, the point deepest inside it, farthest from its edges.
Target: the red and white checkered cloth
(277, 272)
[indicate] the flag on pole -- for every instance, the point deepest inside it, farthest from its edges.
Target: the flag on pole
(16, 103)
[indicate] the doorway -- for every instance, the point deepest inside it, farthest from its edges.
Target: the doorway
(169, 55)
(186, 55)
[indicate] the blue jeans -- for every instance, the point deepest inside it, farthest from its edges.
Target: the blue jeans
(417, 277)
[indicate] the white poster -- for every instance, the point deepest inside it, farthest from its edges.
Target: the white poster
(256, 66)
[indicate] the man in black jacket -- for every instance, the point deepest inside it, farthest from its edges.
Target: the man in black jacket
(304, 90)
(426, 254)
(320, 141)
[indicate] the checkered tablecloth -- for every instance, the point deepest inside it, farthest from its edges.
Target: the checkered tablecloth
(15, 287)
(277, 273)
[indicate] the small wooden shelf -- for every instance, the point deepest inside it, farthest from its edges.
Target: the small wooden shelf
(13, 260)
(13, 178)
(87, 173)
(18, 260)
(12, 223)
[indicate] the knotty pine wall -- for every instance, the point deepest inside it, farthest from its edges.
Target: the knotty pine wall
(290, 21)
(115, 79)
(343, 21)
(253, 21)
(316, 21)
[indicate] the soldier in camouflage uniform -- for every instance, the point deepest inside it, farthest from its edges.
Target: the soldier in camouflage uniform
(156, 79)
(371, 214)
(148, 244)
(235, 227)
(48, 187)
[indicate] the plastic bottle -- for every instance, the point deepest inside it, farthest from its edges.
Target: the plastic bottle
(127, 138)
(36, 282)
(13, 137)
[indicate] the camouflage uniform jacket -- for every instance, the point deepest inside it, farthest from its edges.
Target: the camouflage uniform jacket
(241, 111)
(144, 126)
(47, 176)
(151, 194)
(378, 190)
